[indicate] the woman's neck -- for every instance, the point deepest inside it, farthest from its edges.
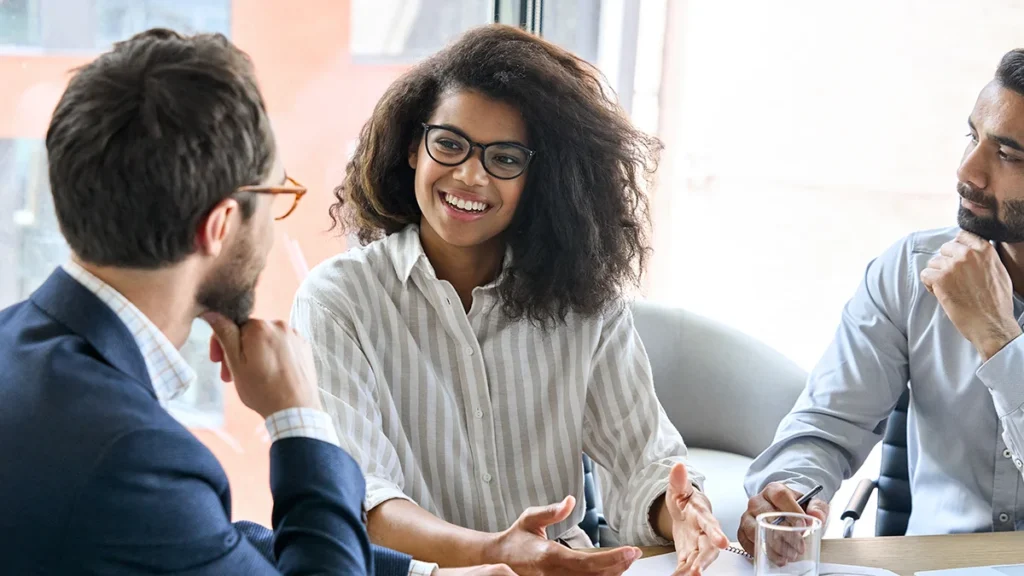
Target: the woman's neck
(465, 267)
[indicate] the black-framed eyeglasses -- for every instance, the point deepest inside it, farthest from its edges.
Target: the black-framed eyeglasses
(450, 147)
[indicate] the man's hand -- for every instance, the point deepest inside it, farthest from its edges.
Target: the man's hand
(489, 570)
(272, 365)
(525, 548)
(695, 531)
(973, 287)
(775, 498)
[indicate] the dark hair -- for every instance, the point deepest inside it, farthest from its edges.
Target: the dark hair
(147, 139)
(580, 234)
(1010, 73)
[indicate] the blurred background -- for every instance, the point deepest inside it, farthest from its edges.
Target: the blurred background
(802, 138)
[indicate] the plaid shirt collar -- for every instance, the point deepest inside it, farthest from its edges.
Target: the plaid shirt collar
(168, 371)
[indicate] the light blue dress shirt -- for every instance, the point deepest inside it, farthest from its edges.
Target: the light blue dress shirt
(965, 438)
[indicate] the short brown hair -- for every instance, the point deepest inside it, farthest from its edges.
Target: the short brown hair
(149, 137)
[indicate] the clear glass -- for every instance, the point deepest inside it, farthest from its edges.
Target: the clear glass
(787, 545)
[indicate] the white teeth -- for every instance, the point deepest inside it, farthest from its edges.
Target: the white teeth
(465, 204)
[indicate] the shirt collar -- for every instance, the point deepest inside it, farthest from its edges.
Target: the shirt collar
(168, 371)
(407, 253)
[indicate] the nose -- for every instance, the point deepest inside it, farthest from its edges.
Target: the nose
(471, 172)
(973, 168)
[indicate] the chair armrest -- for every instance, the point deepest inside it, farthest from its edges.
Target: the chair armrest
(855, 509)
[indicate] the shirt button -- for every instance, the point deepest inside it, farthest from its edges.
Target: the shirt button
(478, 413)
(469, 350)
(1018, 464)
(448, 301)
(1004, 517)
(487, 478)
(1007, 454)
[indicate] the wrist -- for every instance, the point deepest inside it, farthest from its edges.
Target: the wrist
(996, 340)
(660, 518)
(484, 548)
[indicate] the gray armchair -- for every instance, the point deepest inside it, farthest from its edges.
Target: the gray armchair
(725, 391)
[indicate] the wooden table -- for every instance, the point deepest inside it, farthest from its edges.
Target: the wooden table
(911, 554)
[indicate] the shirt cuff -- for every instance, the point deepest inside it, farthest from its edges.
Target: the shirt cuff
(379, 491)
(302, 423)
(1002, 376)
(417, 568)
(649, 534)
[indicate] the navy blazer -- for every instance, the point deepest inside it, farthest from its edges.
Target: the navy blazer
(97, 478)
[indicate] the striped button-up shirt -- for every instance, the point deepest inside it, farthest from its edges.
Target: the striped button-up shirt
(475, 417)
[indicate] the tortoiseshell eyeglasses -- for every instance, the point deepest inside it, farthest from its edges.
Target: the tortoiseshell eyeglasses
(285, 197)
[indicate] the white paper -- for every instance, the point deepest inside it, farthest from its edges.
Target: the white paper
(1005, 570)
(731, 564)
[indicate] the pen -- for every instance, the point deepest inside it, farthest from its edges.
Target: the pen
(802, 502)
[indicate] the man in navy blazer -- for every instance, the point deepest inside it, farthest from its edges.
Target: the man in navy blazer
(166, 181)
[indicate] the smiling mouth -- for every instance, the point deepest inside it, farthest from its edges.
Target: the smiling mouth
(467, 206)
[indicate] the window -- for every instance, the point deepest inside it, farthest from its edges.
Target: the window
(573, 25)
(31, 246)
(90, 25)
(407, 30)
(320, 77)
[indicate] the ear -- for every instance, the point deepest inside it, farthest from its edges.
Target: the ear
(219, 224)
(414, 154)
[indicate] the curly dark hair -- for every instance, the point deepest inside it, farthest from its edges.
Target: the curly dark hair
(580, 233)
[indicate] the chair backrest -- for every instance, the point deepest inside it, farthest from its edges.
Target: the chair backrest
(723, 389)
(591, 523)
(894, 500)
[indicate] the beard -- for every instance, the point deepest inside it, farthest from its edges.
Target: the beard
(231, 289)
(1004, 225)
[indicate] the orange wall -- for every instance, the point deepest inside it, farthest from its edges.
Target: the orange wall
(317, 99)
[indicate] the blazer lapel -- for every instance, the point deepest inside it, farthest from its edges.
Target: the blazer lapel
(73, 305)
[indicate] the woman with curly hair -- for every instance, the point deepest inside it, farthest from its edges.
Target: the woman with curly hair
(480, 343)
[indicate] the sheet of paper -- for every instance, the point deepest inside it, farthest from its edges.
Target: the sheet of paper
(1008, 570)
(730, 564)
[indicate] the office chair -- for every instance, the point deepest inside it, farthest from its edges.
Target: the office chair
(893, 483)
(725, 392)
(592, 519)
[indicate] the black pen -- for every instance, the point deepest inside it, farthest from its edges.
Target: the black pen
(802, 502)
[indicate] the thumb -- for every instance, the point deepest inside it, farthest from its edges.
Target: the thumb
(818, 509)
(227, 333)
(539, 518)
(679, 481)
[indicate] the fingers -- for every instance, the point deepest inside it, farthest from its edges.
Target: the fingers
(782, 499)
(775, 497)
(227, 333)
(929, 276)
(493, 570)
(537, 518)
(746, 533)
(614, 561)
(954, 249)
(784, 546)
(713, 530)
(706, 554)
(972, 241)
(686, 562)
(819, 509)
